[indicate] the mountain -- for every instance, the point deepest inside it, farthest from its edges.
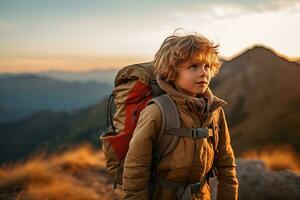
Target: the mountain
(263, 92)
(22, 95)
(49, 131)
(103, 76)
(261, 87)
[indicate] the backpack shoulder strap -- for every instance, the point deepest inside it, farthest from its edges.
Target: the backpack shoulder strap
(171, 129)
(170, 119)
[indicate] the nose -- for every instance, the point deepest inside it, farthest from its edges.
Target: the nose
(202, 72)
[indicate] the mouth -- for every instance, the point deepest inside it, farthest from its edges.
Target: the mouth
(201, 82)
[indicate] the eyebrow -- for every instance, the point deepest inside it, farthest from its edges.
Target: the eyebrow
(205, 61)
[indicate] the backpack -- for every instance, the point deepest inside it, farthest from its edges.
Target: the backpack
(135, 88)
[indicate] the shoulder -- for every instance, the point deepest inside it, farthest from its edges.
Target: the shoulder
(152, 111)
(219, 116)
(150, 118)
(220, 111)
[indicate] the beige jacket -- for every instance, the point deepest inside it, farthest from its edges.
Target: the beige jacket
(191, 159)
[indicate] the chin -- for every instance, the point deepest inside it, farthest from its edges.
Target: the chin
(201, 91)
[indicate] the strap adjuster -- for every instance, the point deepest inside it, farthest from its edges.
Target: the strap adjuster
(195, 187)
(200, 132)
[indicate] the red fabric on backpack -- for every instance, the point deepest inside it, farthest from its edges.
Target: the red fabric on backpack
(136, 101)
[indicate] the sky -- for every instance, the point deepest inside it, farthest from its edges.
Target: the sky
(80, 35)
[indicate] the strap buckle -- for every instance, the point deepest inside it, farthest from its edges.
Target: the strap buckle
(195, 187)
(200, 133)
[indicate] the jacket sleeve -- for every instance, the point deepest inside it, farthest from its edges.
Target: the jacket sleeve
(228, 182)
(139, 156)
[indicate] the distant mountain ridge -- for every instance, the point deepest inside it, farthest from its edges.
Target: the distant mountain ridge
(261, 87)
(49, 131)
(22, 95)
(97, 75)
(103, 76)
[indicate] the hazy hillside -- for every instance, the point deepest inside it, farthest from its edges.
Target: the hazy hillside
(263, 92)
(23, 95)
(263, 111)
(103, 76)
(51, 130)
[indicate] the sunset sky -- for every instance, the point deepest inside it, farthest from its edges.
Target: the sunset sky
(76, 35)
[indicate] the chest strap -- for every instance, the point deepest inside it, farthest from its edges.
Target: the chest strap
(195, 133)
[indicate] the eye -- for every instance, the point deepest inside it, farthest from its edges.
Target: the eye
(193, 67)
(206, 66)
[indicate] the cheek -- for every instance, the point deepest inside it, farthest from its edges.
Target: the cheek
(183, 82)
(189, 76)
(187, 80)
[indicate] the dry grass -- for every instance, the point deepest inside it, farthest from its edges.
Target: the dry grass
(276, 158)
(78, 175)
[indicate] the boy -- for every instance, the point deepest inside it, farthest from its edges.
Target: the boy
(184, 66)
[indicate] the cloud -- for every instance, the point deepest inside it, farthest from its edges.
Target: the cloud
(255, 5)
(277, 5)
(236, 27)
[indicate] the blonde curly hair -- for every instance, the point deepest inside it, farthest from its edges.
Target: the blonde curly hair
(176, 49)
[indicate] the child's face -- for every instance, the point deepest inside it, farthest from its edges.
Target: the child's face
(193, 76)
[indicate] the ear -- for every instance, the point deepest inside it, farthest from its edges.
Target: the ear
(173, 78)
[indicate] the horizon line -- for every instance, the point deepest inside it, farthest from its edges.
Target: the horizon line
(90, 63)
